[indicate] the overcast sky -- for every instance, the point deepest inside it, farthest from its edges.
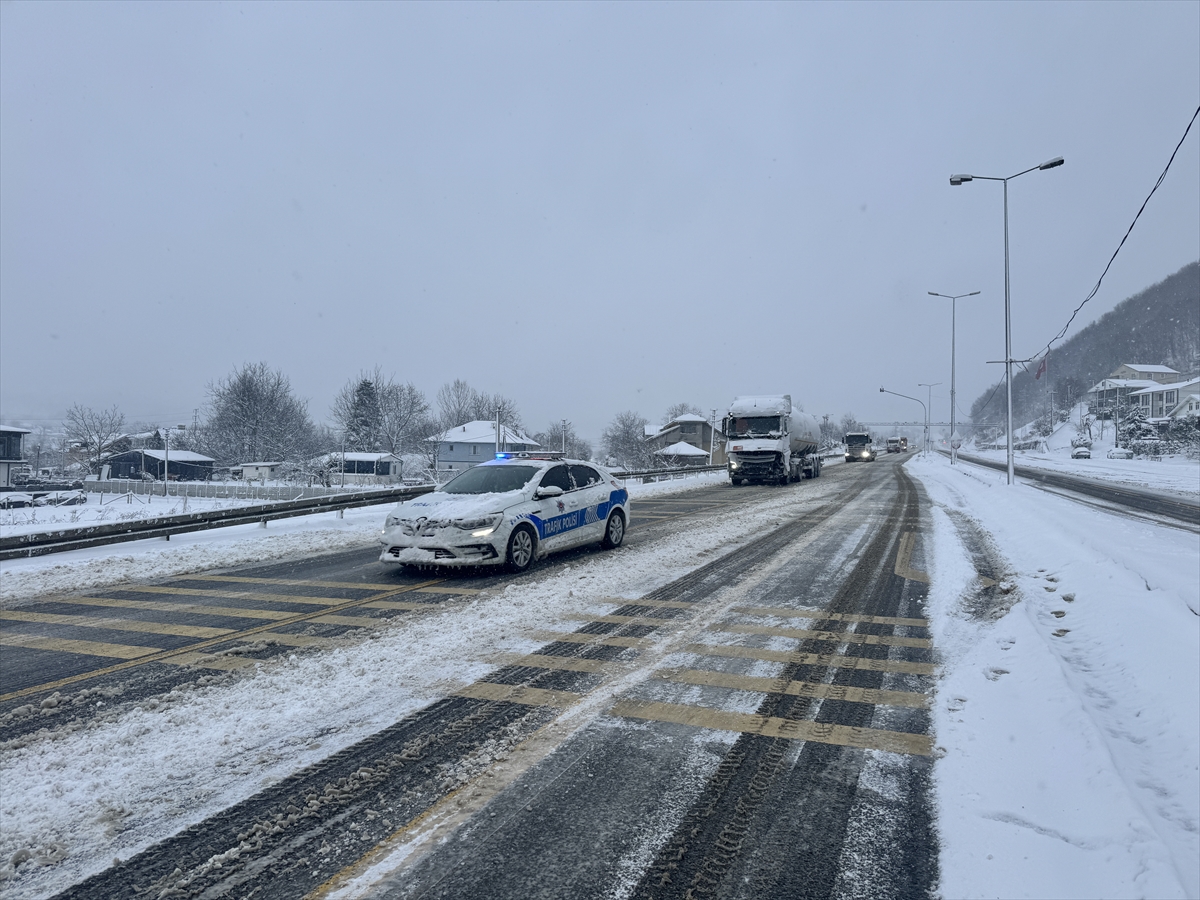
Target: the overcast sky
(587, 207)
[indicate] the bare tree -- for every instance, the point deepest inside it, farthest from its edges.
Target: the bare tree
(252, 415)
(680, 409)
(93, 430)
(458, 403)
(376, 412)
(849, 424)
(552, 439)
(625, 440)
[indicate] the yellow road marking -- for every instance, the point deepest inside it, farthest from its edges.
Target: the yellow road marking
(399, 604)
(653, 604)
(288, 640)
(233, 595)
(848, 637)
(353, 621)
(65, 645)
(528, 696)
(795, 688)
(564, 663)
(300, 582)
(167, 655)
(233, 612)
(809, 613)
(579, 637)
(624, 620)
(814, 659)
(770, 726)
(114, 624)
(208, 661)
(293, 582)
(904, 559)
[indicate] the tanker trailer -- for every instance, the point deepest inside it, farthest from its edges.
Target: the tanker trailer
(769, 441)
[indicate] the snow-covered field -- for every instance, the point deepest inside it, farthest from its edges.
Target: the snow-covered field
(1070, 726)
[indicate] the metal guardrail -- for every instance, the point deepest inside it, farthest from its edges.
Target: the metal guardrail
(45, 542)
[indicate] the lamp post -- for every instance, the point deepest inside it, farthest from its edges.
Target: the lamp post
(929, 395)
(953, 298)
(925, 408)
(956, 180)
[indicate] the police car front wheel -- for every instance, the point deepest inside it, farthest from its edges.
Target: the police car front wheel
(520, 549)
(614, 531)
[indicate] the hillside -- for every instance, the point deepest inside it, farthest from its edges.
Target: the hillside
(1158, 325)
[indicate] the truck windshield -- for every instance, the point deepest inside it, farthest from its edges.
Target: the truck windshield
(857, 440)
(753, 426)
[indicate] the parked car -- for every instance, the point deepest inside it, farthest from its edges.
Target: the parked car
(513, 509)
(62, 498)
(1081, 453)
(1120, 453)
(15, 500)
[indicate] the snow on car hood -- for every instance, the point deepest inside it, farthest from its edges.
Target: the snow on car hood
(456, 506)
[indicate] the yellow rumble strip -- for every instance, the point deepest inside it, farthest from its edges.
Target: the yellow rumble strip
(843, 637)
(808, 613)
(198, 631)
(485, 690)
(85, 648)
(795, 688)
(814, 659)
(770, 726)
(562, 663)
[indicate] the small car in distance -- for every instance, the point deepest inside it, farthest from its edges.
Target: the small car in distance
(1120, 453)
(511, 511)
(1081, 453)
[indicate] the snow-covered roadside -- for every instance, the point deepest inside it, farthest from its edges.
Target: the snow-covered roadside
(100, 567)
(1069, 726)
(75, 799)
(1172, 474)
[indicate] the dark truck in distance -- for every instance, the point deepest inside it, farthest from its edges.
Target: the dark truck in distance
(859, 447)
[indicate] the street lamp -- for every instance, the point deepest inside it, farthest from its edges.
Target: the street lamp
(953, 298)
(956, 180)
(883, 390)
(929, 394)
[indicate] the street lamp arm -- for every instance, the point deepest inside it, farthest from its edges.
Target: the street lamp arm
(905, 396)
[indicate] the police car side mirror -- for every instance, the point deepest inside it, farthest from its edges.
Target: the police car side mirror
(548, 491)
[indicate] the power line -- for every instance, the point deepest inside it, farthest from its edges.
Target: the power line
(1095, 289)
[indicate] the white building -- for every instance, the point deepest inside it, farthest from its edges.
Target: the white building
(464, 446)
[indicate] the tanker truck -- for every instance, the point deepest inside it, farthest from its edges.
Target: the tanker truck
(770, 441)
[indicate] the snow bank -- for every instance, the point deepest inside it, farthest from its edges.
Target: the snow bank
(1069, 725)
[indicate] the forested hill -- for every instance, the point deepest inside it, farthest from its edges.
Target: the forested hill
(1160, 325)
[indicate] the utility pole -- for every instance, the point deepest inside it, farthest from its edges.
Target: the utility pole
(564, 441)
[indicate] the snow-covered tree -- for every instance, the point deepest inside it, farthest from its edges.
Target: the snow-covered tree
(377, 413)
(458, 402)
(625, 440)
(253, 416)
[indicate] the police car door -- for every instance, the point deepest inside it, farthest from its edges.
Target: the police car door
(560, 516)
(593, 492)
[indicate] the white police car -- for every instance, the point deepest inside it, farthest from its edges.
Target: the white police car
(514, 509)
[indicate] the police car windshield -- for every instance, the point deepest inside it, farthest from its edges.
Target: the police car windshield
(491, 480)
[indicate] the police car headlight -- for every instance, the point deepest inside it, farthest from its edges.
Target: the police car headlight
(391, 521)
(481, 526)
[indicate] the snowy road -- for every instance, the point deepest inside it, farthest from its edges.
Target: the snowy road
(741, 702)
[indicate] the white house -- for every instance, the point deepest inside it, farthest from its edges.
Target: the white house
(1142, 372)
(681, 453)
(365, 468)
(259, 471)
(1158, 401)
(467, 445)
(1188, 405)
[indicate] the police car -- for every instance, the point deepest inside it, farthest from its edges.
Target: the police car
(510, 510)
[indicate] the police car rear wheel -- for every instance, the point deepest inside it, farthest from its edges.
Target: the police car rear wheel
(614, 531)
(520, 549)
